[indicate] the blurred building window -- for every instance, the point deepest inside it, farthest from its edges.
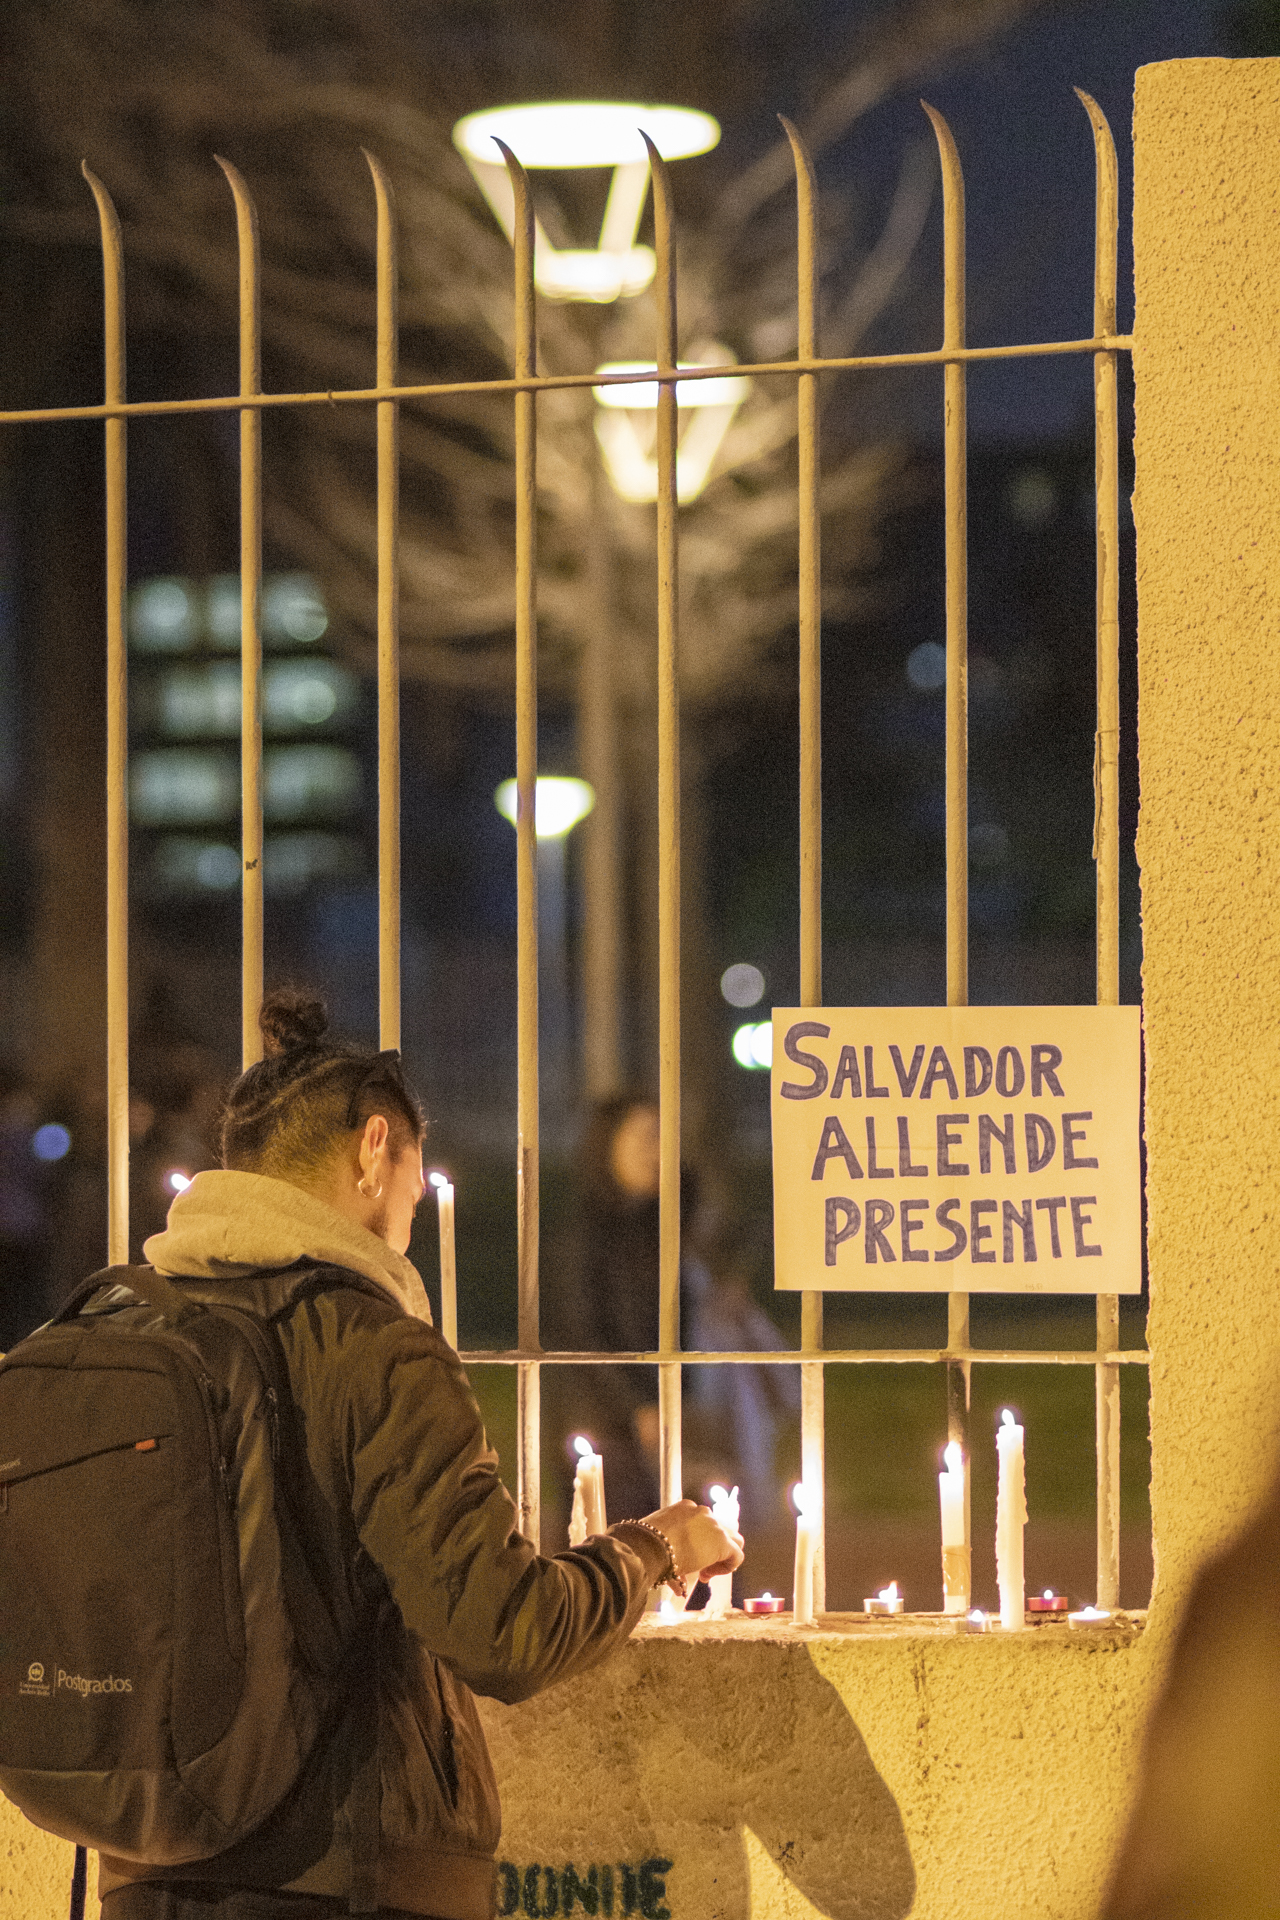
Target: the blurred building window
(307, 693)
(302, 781)
(181, 786)
(203, 701)
(163, 616)
(173, 614)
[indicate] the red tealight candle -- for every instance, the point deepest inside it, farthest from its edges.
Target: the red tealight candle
(764, 1603)
(1048, 1602)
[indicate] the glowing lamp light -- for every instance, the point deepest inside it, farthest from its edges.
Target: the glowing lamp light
(559, 804)
(582, 1446)
(803, 1501)
(583, 133)
(753, 1045)
(176, 1180)
(586, 133)
(742, 985)
(626, 422)
(438, 1179)
(953, 1454)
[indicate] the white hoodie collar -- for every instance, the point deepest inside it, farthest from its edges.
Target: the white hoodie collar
(227, 1225)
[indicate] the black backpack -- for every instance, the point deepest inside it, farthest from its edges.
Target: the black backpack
(167, 1662)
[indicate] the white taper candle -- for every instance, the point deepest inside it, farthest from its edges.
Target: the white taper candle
(1011, 1518)
(725, 1510)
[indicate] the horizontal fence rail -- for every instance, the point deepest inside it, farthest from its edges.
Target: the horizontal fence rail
(524, 383)
(557, 382)
(845, 1356)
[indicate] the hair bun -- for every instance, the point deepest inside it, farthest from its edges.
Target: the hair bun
(292, 1019)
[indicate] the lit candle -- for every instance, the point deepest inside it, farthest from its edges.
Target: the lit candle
(888, 1600)
(448, 1259)
(1011, 1518)
(806, 1551)
(587, 1517)
(955, 1550)
(764, 1603)
(1048, 1602)
(1088, 1617)
(724, 1510)
(976, 1622)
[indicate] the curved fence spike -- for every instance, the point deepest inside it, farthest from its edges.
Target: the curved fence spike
(528, 1152)
(955, 438)
(1106, 818)
(388, 431)
(250, 616)
(115, 432)
(665, 355)
(812, 1378)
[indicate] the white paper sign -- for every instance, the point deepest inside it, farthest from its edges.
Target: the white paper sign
(965, 1149)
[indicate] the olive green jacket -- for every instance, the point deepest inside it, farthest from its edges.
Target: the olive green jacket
(402, 1507)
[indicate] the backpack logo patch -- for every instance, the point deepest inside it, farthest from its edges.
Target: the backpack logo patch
(77, 1683)
(35, 1685)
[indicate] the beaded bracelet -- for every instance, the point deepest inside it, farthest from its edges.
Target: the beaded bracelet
(668, 1577)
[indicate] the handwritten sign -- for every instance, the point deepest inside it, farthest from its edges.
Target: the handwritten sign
(965, 1149)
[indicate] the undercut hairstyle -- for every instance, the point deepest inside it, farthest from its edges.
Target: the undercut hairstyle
(287, 1114)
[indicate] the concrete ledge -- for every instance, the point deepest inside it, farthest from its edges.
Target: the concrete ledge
(859, 1769)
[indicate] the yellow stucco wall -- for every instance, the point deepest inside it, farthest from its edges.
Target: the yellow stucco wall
(1207, 505)
(864, 1777)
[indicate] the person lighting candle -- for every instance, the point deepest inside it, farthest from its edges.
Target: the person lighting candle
(724, 1510)
(1011, 1518)
(955, 1549)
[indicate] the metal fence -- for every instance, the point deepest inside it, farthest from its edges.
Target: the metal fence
(806, 370)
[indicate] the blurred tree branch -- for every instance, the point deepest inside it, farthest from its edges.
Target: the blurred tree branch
(290, 89)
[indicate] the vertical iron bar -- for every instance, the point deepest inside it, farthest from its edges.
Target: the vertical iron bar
(1106, 835)
(955, 435)
(528, 1488)
(388, 270)
(812, 1377)
(117, 735)
(669, 1374)
(250, 612)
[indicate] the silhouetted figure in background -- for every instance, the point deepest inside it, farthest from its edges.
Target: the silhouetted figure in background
(731, 1413)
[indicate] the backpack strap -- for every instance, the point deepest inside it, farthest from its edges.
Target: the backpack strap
(79, 1883)
(151, 1287)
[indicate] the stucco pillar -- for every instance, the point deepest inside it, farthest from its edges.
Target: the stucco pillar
(1207, 507)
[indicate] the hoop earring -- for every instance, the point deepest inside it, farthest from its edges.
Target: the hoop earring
(376, 1194)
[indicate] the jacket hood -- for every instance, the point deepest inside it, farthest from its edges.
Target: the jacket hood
(227, 1225)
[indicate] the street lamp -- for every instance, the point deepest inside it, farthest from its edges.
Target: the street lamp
(626, 425)
(559, 804)
(569, 134)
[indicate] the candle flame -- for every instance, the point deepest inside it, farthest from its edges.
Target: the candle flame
(953, 1454)
(438, 1179)
(1048, 1593)
(766, 1595)
(717, 1493)
(888, 1593)
(1007, 1418)
(977, 1616)
(583, 1445)
(804, 1500)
